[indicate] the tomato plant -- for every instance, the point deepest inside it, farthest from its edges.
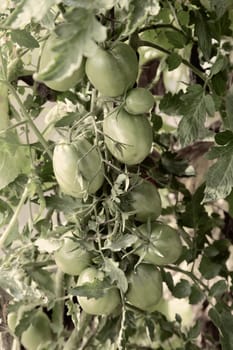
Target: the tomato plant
(116, 175)
(139, 101)
(145, 287)
(113, 71)
(128, 137)
(103, 305)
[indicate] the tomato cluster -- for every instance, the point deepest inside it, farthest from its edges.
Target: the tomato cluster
(79, 170)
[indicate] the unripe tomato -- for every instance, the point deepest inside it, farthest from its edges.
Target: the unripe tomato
(71, 258)
(144, 200)
(164, 245)
(48, 56)
(113, 71)
(38, 333)
(139, 101)
(128, 137)
(145, 287)
(78, 168)
(104, 305)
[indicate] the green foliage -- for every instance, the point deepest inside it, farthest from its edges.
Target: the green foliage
(164, 118)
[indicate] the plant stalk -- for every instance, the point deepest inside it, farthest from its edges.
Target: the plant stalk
(14, 218)
(76, 336)
(58, 310)
(30, 121)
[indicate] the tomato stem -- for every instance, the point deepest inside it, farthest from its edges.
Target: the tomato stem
(58, 309)
(4, 106)
(30, 121)
(77, 335)
(14, 218)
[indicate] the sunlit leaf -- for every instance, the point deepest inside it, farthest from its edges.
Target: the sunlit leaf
(111, 267)
(28, 10)
(77, 37)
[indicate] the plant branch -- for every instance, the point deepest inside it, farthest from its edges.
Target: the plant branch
(29, 120)
(159, 26)
(14, 218)
(183, 60)
(58, 309)
(190, 275)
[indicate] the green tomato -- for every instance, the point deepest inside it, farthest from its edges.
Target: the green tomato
(48, 56)
(143, 200)
(78, 168)
(113, 71)
(71, 258)
(104, 305)
(38, 333)
(145, 287)
(161, 246)
(139, 101)
(128, 137)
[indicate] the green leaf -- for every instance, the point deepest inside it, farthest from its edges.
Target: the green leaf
(13, 159)
(209, 105)
(196, 295)
(218, 289)
(224, 137)
(194, 211)
(202, 32)
(41, 277)
(168, 279)
(121, 243)
(208, 268)
(100, 5)
(191, 346)
(11, 285)
(219, 65)
(193, 109)
(139, 12)
(116, 274)
(177, 39)
(173, 61)
(95, 289)
(170, 103)
(25, 321)
(229, 111)
(68, 119)
(24, 38)
(28, 10)
(224, 321)
(157, 122)
(219, 181)
(220, 6)
(77, 38)
(173, 165)
(195, 330)
(182, 289)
